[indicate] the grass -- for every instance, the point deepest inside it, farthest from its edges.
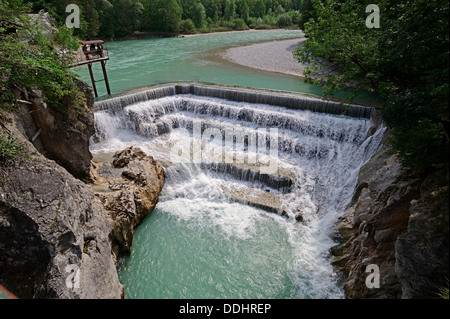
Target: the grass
(9, 148)
(443, 292)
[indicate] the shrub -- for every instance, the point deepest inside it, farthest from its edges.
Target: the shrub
(269, 20)
(252, 22)
(9, 148)
(226, 24)
(239, 24)
(295, 17)
(187, 26)
(284, 20)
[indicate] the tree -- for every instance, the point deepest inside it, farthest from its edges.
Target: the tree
(127, 16)
(36, 62)
(307, 12)
(230, 9)
(187, 26)
(403, 62)
(284, 20)
(243, 9)
(168, 16)
(259, 9)
(198, 14)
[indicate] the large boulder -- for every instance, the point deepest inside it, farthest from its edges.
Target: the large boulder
(54, 238)
(128, 186)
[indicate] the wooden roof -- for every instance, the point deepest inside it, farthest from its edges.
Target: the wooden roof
(92, 42)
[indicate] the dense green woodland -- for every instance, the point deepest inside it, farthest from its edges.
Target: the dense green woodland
(116, 18)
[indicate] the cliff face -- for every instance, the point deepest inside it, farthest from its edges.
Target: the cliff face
(397, 225)
(55, 235)
(62, 136)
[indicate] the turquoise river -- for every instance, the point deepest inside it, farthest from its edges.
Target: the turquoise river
(139, 63)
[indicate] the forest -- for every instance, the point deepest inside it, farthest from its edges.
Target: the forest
(118, 18)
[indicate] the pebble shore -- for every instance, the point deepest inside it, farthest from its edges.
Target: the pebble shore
(274, 56)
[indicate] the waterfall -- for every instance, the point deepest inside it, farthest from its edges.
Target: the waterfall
(283, 153)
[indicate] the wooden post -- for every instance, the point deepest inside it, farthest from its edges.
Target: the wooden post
(92, 79)
(105, 76)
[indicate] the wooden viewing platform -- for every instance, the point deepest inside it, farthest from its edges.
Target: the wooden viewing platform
(92, 52)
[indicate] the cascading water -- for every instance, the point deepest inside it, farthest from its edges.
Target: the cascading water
(232, 157)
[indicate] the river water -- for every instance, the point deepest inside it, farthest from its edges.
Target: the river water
(139, 63)
(228, 228)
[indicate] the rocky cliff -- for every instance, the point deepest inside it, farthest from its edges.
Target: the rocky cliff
(398, 221)
(56, 237)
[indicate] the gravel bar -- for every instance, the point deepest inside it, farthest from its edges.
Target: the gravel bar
(274, 56)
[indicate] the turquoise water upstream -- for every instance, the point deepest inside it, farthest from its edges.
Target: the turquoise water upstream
(153, 61)
(198, 243)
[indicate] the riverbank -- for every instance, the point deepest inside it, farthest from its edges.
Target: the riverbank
(273, 56)
(155, 35)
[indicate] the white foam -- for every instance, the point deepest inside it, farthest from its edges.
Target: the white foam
(325, 173)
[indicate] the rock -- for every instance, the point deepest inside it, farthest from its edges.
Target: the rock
(398, 221)
(422, 253)
(55, 235)
(299, 217)
(371, 225)
(64, 135)
(46, 216)
(134, 183)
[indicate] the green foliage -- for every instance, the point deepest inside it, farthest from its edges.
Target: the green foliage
(229, 10)
(116, 18)
(307, 13)
(259, 9)
(9, 148)
(239, 24)
(295, 17)
(34, 58)
(187, 26)
(284, 20)
(198, 14)
(406, 62)
(64, 38)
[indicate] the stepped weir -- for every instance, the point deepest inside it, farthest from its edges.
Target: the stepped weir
(290, 151)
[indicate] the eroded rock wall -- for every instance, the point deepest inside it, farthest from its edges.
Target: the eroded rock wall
(397, 225)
